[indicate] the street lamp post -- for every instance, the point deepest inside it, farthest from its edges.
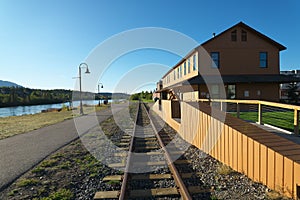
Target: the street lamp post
(80, 92)
(99, 92)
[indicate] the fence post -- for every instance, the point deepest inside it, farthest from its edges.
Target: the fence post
(238, 110)
(259, 114)
(296, 122)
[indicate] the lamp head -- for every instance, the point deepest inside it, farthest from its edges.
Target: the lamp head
(87, 71)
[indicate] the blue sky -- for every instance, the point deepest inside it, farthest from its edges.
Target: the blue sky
(43, 42)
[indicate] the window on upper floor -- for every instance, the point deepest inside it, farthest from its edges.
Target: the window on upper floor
(263, 59)
(184, 68)
(194, 63)
(244, 36)
(233, 35)
(178, 73)
(215, 57)
(189, 65)
(174, 73)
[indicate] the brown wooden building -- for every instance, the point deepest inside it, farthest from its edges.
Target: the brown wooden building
(239, 63)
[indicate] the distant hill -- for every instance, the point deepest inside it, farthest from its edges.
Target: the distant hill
(8, 84)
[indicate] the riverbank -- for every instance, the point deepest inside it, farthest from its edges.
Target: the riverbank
(10, 126)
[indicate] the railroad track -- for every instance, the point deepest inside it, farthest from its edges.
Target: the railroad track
(150, 172)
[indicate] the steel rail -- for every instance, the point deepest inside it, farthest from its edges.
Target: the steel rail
(179, 182)
(126, 172)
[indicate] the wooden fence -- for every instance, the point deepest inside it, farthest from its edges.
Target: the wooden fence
(262, 156)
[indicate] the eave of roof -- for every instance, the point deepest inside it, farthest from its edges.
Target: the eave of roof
(230, 79)
(181, 61)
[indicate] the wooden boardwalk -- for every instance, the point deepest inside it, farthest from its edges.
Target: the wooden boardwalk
(282, 133)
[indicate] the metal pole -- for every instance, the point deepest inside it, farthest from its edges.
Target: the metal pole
(81, 110)
(99, 96)
(99, 92)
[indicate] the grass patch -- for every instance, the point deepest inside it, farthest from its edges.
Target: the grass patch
(10, 126)
(284, 120)
(39, 170)
(65, 165)
(13, 192)
(58, 155)
(148, 101)
(273, 195)
(223, 169)
(27, 182)
(61, 194)
(49, 163)
(113, 182)
(14, 125)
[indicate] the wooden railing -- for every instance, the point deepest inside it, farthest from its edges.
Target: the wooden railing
(259, 104)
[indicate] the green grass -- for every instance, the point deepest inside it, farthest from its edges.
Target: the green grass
(148, 101)
(39, 170)
(61, 194)
(49, 163)
(284, 120)
(10, 126)
(223, 169)
(113, 182)
(13, 192)
(143, 100)
(27, 182)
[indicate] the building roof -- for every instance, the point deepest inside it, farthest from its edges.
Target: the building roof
(248, 28)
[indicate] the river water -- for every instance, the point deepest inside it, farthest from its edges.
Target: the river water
(26, 110)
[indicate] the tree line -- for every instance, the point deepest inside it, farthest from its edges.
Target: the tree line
(144, 95)
(20, 96)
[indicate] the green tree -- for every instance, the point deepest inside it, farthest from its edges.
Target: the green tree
(293, 93)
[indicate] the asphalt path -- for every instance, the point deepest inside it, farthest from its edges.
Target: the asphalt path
(20, 153)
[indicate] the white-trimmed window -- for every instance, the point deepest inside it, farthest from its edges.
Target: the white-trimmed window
(174, 73)
(263, 59)
(194, 62)
(189, 65)
(180, 71)
(215, 57)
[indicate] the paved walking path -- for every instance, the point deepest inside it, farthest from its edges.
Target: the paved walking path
(20, 153)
